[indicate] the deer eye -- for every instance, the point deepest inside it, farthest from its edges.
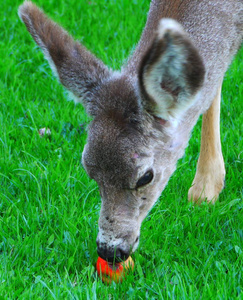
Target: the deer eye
(145, 179)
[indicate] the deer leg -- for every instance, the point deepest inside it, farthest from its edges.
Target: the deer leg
(210, 174)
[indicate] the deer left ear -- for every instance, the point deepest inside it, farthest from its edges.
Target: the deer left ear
(171, 72)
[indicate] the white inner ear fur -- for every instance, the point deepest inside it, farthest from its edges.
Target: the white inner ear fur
(171, 64)
(167, 24)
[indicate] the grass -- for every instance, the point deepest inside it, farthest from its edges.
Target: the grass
(49, 208)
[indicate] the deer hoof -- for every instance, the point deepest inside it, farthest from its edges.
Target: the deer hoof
(206, 189)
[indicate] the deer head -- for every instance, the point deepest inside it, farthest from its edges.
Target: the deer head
(134, 139)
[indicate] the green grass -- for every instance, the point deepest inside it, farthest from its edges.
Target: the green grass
(49, 208)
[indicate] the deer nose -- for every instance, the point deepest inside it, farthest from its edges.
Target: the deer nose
(112, 255)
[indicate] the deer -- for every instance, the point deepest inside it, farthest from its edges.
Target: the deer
(144, 113)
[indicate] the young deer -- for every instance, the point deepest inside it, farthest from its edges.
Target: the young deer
(144, 114)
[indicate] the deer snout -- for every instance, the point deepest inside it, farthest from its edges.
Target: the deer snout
(113, 255)
(115, 250)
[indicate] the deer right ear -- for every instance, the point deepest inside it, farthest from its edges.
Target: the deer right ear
(78, 70)
(171, 72)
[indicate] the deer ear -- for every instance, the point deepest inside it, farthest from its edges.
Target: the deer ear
(171, 72)
(77, 69)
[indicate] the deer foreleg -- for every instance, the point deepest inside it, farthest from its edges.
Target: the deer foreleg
(210, 174)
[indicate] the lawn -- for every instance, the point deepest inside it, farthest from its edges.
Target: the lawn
(49, 208)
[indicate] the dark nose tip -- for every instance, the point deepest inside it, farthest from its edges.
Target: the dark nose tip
(112, 256)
